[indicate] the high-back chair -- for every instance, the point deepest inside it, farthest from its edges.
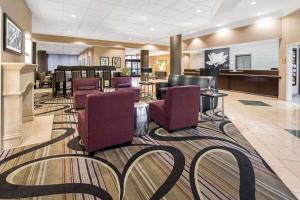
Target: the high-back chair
(108, 120)
(75, 74)
(83, 87)
(125, 84)
(59, 77)
(91, 73)
(180, 109)
(106, 77)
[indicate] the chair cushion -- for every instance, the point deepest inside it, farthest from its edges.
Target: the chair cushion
(87, 87)
(124, 85)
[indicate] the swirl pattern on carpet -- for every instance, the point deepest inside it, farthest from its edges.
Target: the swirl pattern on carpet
(213, 161)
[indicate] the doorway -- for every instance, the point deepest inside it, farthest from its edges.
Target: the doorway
(134, 64)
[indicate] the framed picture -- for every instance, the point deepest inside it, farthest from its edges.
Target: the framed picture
(162, 65)
(116, 62)
(217, 58)
(104, 61)
(12, 37)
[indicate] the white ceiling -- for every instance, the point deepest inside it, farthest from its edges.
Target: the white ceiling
(60, 48)
(148, 21)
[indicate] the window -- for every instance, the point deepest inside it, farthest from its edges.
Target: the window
(134, 63)
(243, 62)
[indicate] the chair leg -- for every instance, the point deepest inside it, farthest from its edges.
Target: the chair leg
(91, 153)
(64, 88)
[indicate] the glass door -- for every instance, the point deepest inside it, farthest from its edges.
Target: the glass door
(134, 64)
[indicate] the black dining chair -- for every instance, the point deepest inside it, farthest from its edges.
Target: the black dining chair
(75, 74)
(106, 77)
(59, 78)
(91, 73)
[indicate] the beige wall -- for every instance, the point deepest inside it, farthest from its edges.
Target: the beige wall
(154, 62)
(19, 12)
(108, 52)
(96, 52)
(290, 35)
(89, 52)
(256, 32)
(92, 42)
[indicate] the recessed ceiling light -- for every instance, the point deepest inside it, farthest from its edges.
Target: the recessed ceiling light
(253, 3)
(198, 11)
(223, 30)
(152, 29)
(74, 16)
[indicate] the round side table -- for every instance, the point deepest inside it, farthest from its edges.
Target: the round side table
(141, 119)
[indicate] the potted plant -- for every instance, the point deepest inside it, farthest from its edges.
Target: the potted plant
(125, 71)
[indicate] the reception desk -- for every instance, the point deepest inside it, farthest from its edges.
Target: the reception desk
(261, 82)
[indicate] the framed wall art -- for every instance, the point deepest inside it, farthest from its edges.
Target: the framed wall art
(116, 62)
(217, 58)
(104, 61)
(12, 37)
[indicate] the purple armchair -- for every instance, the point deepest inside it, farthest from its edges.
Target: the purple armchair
(180, 109)
(83, 87)
(125, 84)
(108, 120)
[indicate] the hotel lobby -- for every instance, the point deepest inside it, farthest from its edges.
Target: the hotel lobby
(148, 99)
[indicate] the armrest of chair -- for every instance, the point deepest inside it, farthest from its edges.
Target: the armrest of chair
(161, 85)
(157, 89)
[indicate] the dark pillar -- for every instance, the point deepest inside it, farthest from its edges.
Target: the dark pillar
(42, 61)
(175, 54)
(33, 52)
(144, 62)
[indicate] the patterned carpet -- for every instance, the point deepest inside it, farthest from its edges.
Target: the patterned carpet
(213, 161)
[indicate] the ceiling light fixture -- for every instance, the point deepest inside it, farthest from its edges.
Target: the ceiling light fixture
(253, 3)
(223, 30)
(259, 14)
(73, 15)
(152, 29)
(198, 11)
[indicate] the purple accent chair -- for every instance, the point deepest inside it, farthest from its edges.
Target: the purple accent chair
(180, 109)
(108, 120)
(83, 87)
(125, 84)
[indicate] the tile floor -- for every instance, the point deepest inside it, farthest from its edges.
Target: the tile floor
(265, 128)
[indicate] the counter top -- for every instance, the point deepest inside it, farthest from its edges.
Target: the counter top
(251, 75)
